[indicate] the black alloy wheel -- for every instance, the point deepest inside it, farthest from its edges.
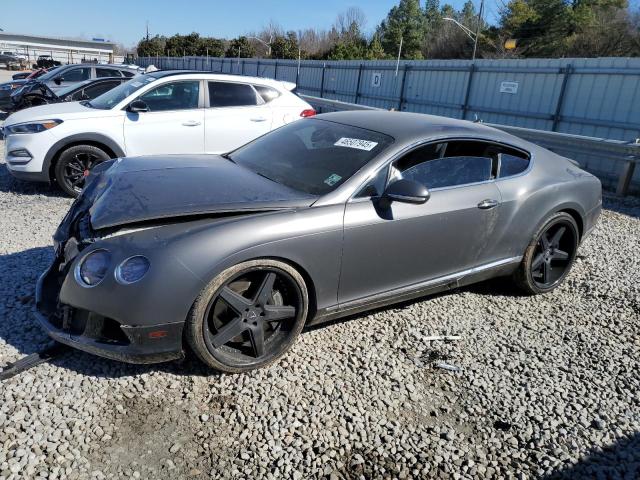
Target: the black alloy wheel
(75, 164)
(549, 257)
(248, 316)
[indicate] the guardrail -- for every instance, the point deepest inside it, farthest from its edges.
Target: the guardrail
(576, 147)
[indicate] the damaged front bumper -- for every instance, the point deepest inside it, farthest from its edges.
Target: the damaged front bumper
(95, 333)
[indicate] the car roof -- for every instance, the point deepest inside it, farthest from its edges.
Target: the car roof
(216, 76)
(409, 127)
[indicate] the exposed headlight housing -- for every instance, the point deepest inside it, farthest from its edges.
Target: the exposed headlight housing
(93, 268)
(132, 269)
(31, 127)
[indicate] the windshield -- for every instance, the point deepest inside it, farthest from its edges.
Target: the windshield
(311, 155)
(114, 96)
(62, 92)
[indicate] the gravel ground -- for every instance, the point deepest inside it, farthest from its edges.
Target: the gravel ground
(549, 386)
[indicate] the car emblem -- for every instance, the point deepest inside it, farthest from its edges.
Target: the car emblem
(252, 314)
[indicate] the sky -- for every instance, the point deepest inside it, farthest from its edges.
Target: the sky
(125, 21)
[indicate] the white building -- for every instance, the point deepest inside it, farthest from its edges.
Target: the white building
(64, 50)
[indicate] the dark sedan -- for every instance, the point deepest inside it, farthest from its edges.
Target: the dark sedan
(233, 255)
(36, 93)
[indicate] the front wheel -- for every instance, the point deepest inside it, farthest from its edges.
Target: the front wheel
(550, 255)
(248, 316)
(74, 165)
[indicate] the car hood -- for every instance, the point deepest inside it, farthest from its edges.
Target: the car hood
(140, 189)
(14, 82)
(63, 111)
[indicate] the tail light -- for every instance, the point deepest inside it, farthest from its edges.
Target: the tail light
(310, 112)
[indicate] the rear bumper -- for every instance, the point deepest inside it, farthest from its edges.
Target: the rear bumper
(95, 334)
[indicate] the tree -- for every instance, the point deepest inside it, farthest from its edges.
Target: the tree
(154, 46)
(405, 21)
(240, 47)
(285, 46)
(214, 47)
(375, 50)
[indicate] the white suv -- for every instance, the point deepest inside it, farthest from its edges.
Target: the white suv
(164, 112)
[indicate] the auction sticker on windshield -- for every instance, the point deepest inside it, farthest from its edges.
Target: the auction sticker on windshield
(356, 143)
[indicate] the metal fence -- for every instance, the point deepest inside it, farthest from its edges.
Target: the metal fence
(597, 97)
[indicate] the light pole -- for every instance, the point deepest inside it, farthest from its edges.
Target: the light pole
(268, 45)
(472, 35)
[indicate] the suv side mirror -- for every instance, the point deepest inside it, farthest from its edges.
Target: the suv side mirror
(138, 106)
(58, 80)
(407, 191)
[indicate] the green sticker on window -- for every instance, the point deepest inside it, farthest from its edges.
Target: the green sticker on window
(332, 179)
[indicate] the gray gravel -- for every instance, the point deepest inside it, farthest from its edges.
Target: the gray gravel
(548, 386)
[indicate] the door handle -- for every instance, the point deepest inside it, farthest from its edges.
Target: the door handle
(191, 123)
(487, 204)
(259, 119)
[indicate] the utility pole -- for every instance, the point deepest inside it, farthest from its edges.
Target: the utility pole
(147, 30)
(478, 23)
(399, 52)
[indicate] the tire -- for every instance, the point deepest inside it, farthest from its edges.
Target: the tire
(549, 257)
(74, 165)
(248, 316)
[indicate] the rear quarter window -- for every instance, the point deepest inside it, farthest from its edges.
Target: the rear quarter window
(512, 164)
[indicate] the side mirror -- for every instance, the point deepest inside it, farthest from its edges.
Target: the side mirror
(58, 80)
(138, 106)
(406, 191)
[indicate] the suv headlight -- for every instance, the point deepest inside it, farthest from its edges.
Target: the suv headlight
(93, 268)
(31, 127)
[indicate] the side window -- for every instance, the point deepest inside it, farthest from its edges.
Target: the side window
(127, 73)
(511, 164)
(173, 96)
(447, 164)
(267, 93)
(76, 74)
(107, 72)
(223, 94)
(94, 91)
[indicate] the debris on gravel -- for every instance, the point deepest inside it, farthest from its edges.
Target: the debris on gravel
(549, 386)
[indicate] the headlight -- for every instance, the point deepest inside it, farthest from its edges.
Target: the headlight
(31, 127)
(7, 87)
(93, 268)
(132, 269)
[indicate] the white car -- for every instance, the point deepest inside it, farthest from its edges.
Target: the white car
(164, 112)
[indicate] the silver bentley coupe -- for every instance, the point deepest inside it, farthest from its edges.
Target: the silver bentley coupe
(232, 256)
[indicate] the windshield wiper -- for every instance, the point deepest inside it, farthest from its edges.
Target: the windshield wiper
(86, 103)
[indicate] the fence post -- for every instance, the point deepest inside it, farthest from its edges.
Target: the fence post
(465, 105)
(297, 76)
(404, 78)
(275, 71)
(258, 69)
(565, 79)
(242, 71)
(358, 84)
(322, 81)
(624, 181)
(222, 65)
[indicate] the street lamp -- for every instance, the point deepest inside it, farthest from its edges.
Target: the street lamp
(268, 45)
(473, 36)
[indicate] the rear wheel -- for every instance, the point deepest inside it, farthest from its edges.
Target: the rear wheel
(248, 316)
(74, 165)
(550, 255)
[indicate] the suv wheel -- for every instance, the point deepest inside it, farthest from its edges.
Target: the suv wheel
(74, 164)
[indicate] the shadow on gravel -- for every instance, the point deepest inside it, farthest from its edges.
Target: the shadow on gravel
(620, 460)
(13, 185)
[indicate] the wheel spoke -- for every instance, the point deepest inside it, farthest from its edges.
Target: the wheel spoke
(545, 241)
(272, 312)
(78, 181)
(539, 260)
(560, 255)
(555, 240)
(234, 300)
(257, 340)
(266, 289)
(76, 167)
(232, 329)
(545, 272)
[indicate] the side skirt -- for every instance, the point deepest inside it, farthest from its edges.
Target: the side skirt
(429, 287)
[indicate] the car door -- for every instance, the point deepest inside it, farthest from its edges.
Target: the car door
(69, 77)
(389, 245)
(235, 115)
(174, 122)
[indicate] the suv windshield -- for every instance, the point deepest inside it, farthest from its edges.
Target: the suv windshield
(114, 96)
(311, 155)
